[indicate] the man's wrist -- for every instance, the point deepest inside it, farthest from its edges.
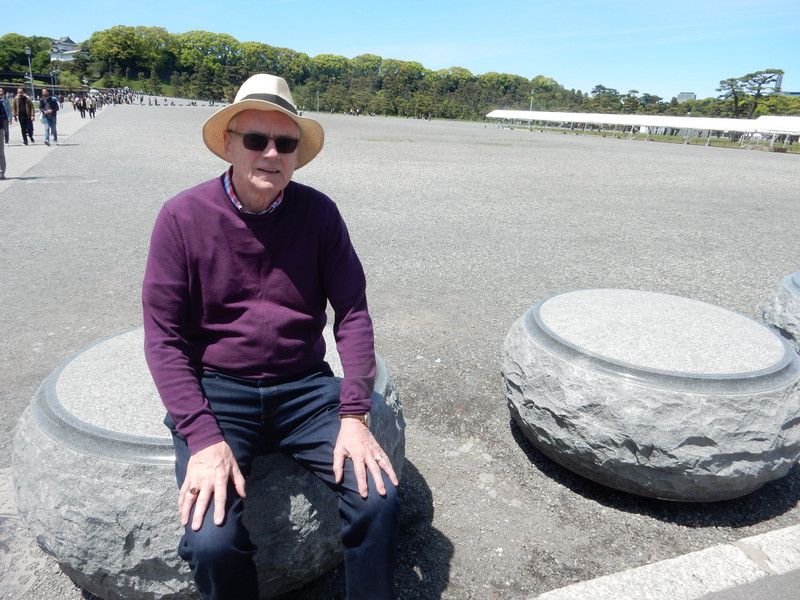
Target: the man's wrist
(362, 417)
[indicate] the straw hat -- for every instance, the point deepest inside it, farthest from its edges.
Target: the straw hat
(264, 92)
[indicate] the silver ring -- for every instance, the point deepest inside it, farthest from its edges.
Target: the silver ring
(194, 491)
(379, 458)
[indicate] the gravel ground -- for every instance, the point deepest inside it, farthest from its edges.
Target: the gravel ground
(461, 227)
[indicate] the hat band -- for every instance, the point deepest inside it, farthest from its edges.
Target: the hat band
(274, 98)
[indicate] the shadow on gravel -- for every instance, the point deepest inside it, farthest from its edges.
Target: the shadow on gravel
(772, 500)
(424, 553)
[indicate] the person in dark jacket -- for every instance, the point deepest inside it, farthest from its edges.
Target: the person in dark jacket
(22, 107)
(49, 108)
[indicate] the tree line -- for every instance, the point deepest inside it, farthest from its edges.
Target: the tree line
(211, 66)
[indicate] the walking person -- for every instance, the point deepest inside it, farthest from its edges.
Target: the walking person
(6, 114)
(49, 108)
(22, 107)
(2, 156)
(240, 272)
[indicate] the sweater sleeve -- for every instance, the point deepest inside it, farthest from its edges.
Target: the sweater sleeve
(345, 286)
(165, 301)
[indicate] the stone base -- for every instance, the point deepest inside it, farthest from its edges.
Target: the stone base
(94, 477)
(655, 395)
(781, 310)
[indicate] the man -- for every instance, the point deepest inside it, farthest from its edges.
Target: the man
(22, 107)
(7, 114)
(235, 290)
(49, 107)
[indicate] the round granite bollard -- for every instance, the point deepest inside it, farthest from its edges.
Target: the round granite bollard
(781, 310)
(653, 394)
(94, 475)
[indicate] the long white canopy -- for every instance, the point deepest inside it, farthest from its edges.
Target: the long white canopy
(765, 125)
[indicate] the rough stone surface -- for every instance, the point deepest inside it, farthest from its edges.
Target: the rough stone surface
(781, 310)
(112, 523)
(638, 430)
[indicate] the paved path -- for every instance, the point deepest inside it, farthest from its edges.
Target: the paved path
(20, 158)
(461, 228)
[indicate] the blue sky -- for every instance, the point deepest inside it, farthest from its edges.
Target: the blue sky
(659, 47)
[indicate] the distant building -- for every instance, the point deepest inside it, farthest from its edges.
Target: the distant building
(684, 96)
(795, 94)
(64, 50)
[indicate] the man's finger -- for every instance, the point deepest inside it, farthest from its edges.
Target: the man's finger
(377, 477)
(387, 467)
(338, 465)
(220, 498)
(200, 508)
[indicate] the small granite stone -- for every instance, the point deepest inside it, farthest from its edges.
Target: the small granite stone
(781, 310)
(617, 386)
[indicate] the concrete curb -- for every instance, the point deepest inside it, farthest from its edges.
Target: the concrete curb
(692, 576)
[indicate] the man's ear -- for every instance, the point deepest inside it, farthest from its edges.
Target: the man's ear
(226, 141)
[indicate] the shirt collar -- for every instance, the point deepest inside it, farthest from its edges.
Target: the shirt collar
(228, 185)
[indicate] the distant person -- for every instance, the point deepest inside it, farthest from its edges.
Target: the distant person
(2, 157)
(22, 107)
(6, 114)
(49, 109)
(91, 106)
(240, 272)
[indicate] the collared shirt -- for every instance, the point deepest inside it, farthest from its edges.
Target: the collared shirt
(228, 185)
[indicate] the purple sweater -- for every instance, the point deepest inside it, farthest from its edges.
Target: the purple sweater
(246, 295)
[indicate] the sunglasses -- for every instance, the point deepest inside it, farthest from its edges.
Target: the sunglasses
(258, 142)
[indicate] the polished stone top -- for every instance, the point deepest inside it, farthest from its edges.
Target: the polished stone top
(661, 332)
(102, 401)
(109, 385)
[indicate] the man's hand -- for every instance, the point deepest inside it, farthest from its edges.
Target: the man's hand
(207, 476)
(357, 443)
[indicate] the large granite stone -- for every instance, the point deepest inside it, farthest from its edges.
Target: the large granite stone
(781, 310)
(94, 477)
(653, 394)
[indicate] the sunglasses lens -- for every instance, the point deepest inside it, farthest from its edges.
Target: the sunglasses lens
(255, 141)
(285, 145)
(258, 142)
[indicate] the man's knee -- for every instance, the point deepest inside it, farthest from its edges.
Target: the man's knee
(214, 545)
(373, 515)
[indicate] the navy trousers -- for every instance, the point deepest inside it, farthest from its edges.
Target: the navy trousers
(300, 417)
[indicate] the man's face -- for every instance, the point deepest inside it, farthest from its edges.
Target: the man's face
(20, 92)
(259, 176)
(45, 93)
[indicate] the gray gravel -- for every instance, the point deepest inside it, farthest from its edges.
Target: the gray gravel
(461, 227)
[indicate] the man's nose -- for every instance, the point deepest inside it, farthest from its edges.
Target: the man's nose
(271, 150)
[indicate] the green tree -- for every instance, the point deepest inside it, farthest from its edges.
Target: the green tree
(732, 90)
(195, 48)
(630, 102)
(154, 84)
(202, 82)
(115, 46)
(70, 81)
(757, 84)
(605, 100)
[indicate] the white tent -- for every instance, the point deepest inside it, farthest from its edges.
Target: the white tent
(764, 125)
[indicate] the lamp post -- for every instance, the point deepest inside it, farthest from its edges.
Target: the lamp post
(54, 73)
(531, 100)
(30, 72)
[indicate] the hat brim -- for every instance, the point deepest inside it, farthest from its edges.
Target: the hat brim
(312, 136)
